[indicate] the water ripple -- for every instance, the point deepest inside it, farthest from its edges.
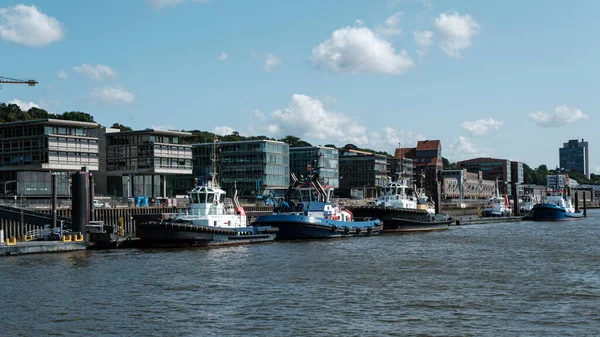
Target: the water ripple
(509, 279)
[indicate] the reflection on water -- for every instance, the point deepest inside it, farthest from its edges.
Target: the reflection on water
(497, 279)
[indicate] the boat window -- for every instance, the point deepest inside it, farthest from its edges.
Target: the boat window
(194, 198)
(210, 198)
(202, 198)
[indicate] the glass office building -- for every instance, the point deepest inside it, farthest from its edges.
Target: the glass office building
(326, 159)
(31, 151)
(254, 166)
(139, 162)
(491, 169)
(362, 171)
(573, 156)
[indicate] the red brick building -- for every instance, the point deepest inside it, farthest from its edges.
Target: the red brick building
(427, 160)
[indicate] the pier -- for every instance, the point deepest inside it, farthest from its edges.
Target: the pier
(16, 222)
(14, 247)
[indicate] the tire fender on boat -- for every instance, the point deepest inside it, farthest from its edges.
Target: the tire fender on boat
(333, 228)
(357, 230)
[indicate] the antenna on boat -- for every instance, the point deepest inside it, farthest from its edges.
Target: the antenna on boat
(213, 159)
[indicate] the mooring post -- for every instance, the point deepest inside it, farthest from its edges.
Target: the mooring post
(584, 206)
(54, 199)
(438, 197)
(577, 202)
(515, 195)
(91, 197)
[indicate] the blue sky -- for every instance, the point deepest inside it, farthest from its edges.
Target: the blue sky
(507, 79)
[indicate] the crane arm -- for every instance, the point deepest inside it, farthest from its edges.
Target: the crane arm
(7, 80)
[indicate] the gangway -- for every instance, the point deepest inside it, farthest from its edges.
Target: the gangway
(30, 217)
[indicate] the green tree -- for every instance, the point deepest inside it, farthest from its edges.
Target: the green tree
(121, 127)
(448, 165)
(77, 116)
(294, 141)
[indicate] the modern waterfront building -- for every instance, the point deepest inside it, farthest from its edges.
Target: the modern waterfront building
(491, 169)
(362, 173)
(557, 181)
(573, 156)
(326, 159)
(31, 151)
(461, 184)
(256, 167)
(517, 175)
(139, 162)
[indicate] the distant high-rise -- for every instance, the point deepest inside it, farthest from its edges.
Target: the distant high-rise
(574, 157)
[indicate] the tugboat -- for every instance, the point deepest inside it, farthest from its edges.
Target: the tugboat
(318, 218)
(210, 220)
(498, 206)
(404, 210)
(556, 206)
(527, 204)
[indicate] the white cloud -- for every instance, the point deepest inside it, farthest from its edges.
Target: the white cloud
(25, 106)
(112, 95)
(481, 127)
(462, 149)
(561, 116)
(388, 139)
(271, 61)
(158, 4)
(258, 114)
(306, 118)
(424, 39)
(223, 130)
(390, 26)
(28, 26)
(95, 72)
(359, 50)
(62, 74)
(456, 32)
(223, 56)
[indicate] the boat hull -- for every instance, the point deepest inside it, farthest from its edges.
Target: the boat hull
(174, 234)
(398, 220)
(102, 240)
(551, 212)
(292, 226)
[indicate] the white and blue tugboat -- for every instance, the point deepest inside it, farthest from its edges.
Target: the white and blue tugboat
(498, 206)
(317, 217)
(403, 209)
(556, 206)
(210, 220)
(527, 204)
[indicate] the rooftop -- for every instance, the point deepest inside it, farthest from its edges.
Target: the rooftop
(51, 121)
(153, 132)
(243, 142)
(423, 145)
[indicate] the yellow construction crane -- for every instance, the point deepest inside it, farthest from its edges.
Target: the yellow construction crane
(6, 80)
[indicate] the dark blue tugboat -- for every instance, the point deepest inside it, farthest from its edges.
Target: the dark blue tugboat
(316, 218)
(556, 206)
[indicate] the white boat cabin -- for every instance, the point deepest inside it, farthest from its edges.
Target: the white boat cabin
(209, 207)
(558, 198)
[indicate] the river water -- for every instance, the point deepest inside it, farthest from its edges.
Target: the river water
(506, 279)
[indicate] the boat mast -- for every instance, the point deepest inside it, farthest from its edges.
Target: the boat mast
(213, 159)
